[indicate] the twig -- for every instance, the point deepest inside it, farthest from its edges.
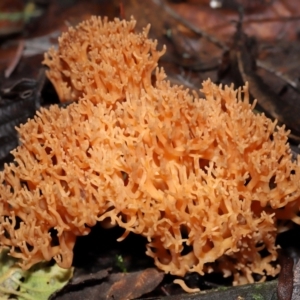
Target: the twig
(13, 64)
(187, 24)
(282, 76)
(40, 44)
(275, 19)
(122, 10)
(165, 291)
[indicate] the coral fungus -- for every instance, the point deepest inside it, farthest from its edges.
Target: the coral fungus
(204, 180)
(104, 60)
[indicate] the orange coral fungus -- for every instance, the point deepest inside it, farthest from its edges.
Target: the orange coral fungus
(206, 179)
(112, 58)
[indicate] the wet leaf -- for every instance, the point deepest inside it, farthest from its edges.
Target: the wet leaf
(18, 102)
(133, 285)
(285, 112)
(37, 283)
(117, 286)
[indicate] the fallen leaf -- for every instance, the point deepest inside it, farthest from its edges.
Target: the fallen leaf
(37, 283)
(18, 102)
(117, 286)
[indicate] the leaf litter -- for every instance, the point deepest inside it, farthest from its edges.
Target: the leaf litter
(271, 24)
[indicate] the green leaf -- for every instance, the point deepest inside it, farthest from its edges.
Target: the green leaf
(37, 283)
(29, 12)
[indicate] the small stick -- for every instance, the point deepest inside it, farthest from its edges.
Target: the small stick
(13, 64)
(282, 76)
(122, 10)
